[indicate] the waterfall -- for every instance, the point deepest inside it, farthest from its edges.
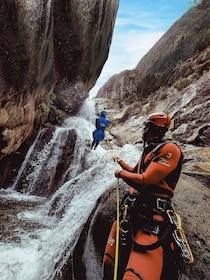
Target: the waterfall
(35, 245)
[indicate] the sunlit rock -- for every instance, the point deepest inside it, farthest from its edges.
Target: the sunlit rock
(175, 80)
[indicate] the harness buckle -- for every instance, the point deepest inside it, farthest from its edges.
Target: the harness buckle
(154, 229)
(164, 204)
(130, 200)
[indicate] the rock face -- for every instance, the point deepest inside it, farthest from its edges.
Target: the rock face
(51, 54)
(82, 37)
(187, 37)
(26, 80)
(182, 43)
(189, 109)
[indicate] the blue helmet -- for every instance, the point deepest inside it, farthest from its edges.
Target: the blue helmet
(103, 113)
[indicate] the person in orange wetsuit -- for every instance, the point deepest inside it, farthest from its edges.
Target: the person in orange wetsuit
(152, 183)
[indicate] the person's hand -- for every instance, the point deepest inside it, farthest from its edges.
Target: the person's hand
(117, 159)
(117, 173)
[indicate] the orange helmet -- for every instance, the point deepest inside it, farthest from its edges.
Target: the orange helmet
(161, 120)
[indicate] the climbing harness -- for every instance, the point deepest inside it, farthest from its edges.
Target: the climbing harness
(172, 224)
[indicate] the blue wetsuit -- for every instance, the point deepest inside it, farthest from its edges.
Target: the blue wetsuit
(98, 134)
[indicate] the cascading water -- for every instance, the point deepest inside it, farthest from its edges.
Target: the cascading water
(35, 245)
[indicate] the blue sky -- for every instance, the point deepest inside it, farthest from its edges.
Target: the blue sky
(139, 25)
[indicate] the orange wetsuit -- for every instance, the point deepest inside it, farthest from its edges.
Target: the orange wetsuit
(156, 174)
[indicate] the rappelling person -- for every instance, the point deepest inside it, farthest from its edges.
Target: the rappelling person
(101, 124)
(147, 218)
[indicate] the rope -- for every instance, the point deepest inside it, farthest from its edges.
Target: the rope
(117, 234)
(118, 223)
(108, 144)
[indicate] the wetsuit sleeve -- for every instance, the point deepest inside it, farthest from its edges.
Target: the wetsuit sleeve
(126, 166)
(163, 164)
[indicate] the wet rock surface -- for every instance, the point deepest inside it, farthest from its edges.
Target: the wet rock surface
(26, 78)
(11, 225)
(51, 54)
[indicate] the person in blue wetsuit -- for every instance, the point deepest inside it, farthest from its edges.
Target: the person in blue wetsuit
(101, 124)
